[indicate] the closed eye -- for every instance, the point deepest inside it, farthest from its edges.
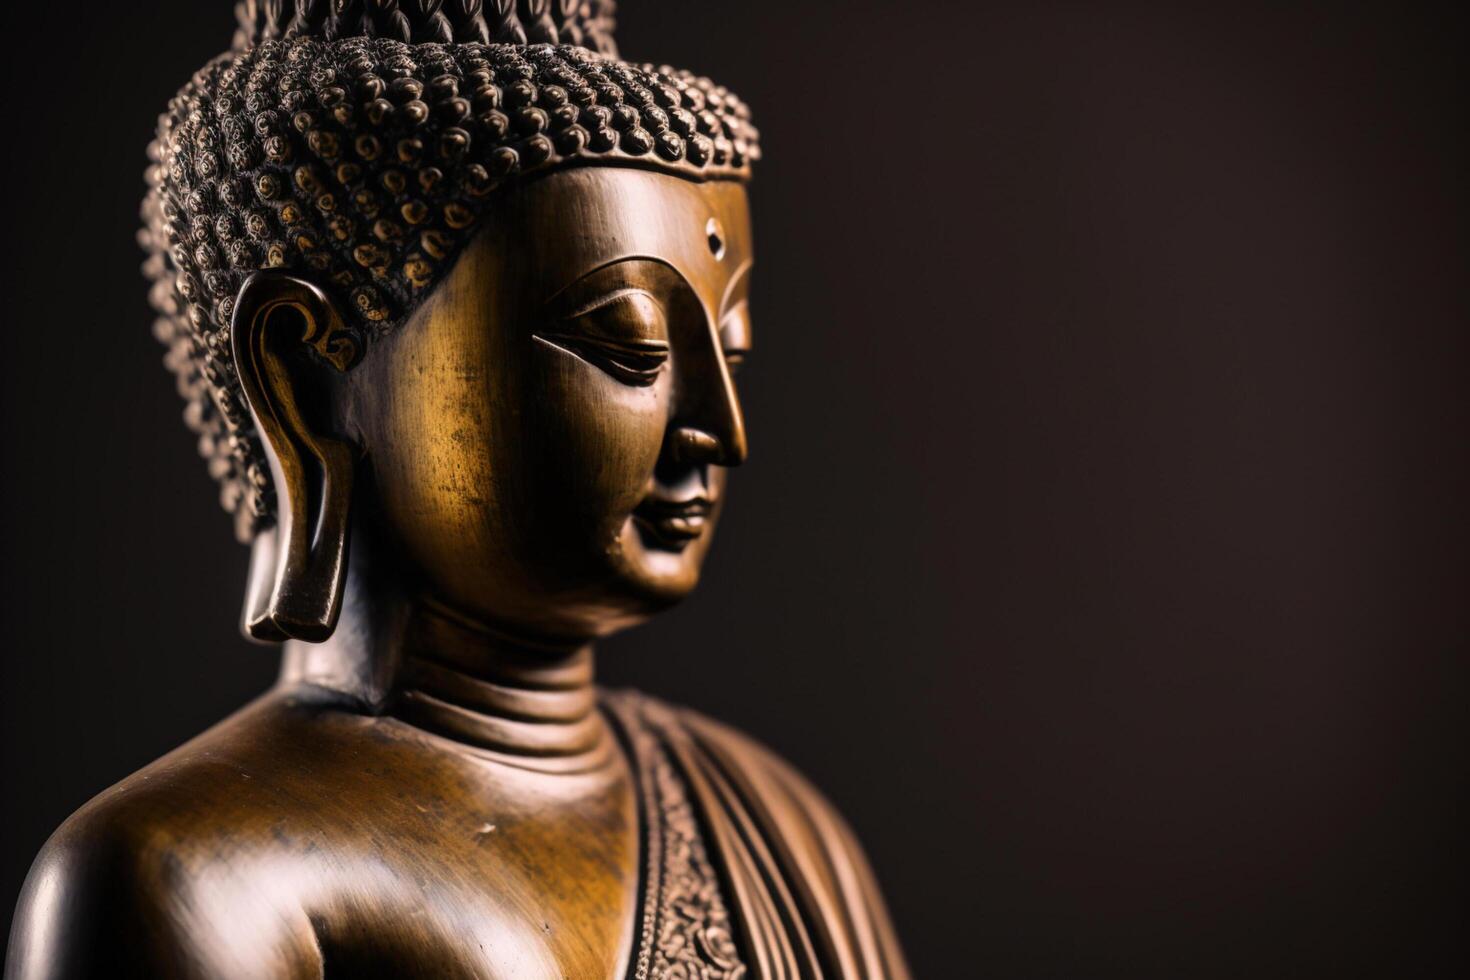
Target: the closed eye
(633, 362)
(624, 332)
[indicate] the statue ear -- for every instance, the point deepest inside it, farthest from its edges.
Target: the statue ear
(288, 339)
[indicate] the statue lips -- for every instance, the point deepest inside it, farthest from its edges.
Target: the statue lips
(673, 523)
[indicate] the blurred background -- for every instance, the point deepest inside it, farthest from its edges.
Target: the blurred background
(1102, 551)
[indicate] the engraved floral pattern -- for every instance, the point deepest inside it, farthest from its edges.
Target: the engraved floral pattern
(685, 932)
(694, 940)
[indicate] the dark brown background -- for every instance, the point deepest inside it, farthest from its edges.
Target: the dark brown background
(1102, 550)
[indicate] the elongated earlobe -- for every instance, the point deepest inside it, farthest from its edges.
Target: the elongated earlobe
(286, 333)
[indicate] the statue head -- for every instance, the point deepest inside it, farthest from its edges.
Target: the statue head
(443, 291)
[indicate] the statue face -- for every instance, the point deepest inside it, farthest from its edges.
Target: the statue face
(546, 440)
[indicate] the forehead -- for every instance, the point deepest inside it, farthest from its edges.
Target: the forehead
(574, 221)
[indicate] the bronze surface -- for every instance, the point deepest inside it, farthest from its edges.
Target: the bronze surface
(534, 459)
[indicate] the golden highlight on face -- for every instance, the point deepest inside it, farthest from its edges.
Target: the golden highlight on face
(561, 410)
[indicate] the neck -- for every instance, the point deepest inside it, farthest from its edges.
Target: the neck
(519, 701)
(465, 682)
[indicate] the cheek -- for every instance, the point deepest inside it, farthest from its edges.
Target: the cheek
(598, 439)
(430, 430)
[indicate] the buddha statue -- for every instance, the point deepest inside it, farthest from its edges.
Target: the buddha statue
(456, 299)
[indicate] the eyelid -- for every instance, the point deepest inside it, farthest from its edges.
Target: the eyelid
(634, 347)
(636, 365)
(622, 331)
(608, 299)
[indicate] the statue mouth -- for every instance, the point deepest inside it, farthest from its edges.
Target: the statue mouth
(672, 524)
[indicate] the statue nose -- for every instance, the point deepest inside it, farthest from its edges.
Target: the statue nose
(696, 447)
(711, 429)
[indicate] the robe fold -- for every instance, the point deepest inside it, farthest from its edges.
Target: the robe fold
(796, 894)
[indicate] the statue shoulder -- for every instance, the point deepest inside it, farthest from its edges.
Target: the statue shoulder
(749, 758)
(749, 764)
(119, 889)
(104, 899)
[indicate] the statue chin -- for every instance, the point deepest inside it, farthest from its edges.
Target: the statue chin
(460, 327)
